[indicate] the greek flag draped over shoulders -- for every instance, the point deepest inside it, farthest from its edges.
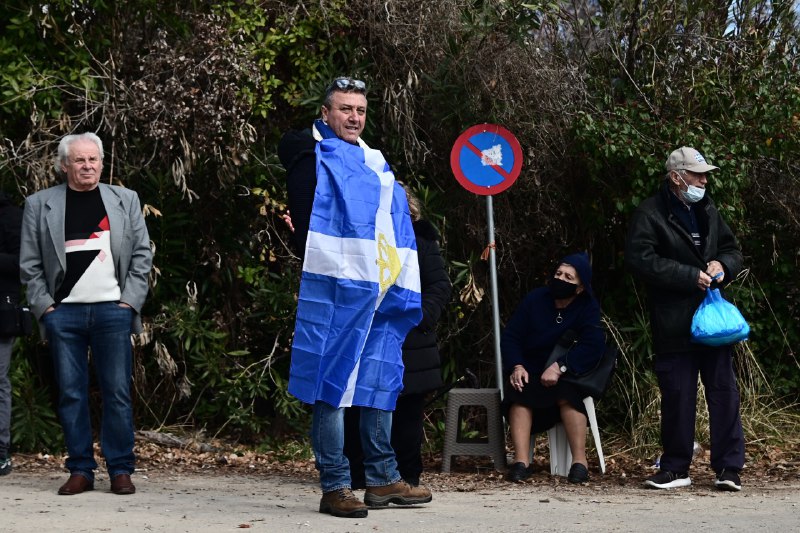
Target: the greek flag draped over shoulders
(360, 287)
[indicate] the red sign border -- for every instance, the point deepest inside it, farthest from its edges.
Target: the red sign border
(461, 142)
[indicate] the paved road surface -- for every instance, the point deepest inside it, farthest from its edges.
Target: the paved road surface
(218, 503)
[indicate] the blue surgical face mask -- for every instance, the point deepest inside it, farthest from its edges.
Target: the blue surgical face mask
(692, 194)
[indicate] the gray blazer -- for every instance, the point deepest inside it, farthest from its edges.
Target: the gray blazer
(43, 259)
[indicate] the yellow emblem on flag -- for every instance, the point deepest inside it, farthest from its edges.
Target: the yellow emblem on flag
(389, 266)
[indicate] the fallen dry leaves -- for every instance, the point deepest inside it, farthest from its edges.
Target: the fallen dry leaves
(765, 466)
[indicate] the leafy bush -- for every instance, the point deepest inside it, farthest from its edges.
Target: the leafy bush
(191, 99)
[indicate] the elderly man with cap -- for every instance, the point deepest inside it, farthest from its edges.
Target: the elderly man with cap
(679, 246)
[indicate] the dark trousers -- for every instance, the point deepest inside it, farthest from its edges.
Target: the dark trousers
(407, 433)
(677, 378)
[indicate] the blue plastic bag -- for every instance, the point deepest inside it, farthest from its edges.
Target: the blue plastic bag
(717, 322)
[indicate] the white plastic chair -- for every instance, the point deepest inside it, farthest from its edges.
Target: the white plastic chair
(560, 453)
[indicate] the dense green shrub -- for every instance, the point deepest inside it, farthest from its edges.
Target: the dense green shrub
(191, 99)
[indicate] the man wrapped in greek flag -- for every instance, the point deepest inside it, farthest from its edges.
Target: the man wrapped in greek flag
(359, 297)
(360, 288)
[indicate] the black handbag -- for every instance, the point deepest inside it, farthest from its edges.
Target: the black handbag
(593, 382)
(15, 320)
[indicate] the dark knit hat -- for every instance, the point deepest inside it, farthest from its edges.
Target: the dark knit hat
(580, 261)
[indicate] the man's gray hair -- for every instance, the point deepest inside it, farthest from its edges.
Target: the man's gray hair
(681, 172)
(66, 142)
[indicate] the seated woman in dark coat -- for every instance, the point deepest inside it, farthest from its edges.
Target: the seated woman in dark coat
(535, 400)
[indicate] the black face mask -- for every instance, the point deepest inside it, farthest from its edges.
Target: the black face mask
(561, 290)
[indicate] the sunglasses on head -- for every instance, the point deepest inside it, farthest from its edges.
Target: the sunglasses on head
(347, 84)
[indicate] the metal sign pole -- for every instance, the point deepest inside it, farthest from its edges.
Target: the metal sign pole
(486, 159)
(495, 303)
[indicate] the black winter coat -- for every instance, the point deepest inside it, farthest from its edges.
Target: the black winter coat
(660, 252)
(10, 225)
(296, 153)
(420, 349)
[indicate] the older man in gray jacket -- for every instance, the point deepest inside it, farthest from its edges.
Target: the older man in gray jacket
(85, 257)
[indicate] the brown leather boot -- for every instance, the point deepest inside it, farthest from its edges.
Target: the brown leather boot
(343, 503)
(400, 493)
(76, 484)
(122, 484)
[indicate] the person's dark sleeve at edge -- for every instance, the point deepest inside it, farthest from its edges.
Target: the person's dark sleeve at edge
(11, 218)
(434, 281)
(296, 153)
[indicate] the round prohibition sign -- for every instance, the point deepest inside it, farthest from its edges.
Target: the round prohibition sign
(486, 159)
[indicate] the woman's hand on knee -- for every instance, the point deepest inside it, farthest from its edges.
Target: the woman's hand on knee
(519, 377)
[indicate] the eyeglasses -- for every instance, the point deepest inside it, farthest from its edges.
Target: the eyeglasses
(347, 84)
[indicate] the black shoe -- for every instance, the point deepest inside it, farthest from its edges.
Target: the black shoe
(5, 465)
(665, 479)
(518, 472)
(578, 474)
(728, 480)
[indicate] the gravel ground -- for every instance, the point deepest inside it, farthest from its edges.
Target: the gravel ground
(227, 500)
(207, 489)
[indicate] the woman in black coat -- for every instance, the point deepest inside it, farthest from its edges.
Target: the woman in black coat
(535, 398)
(10, 223)
(420, 358)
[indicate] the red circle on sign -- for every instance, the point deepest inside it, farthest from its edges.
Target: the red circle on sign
(463, 143)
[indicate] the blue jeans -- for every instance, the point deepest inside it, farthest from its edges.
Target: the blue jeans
(327, 439)
(105, 328)
(5, 395)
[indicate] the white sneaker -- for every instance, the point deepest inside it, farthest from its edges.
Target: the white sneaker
(668, 480)
(728, 480)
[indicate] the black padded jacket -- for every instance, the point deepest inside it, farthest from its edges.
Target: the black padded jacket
(296, 153)
(420, 350)
(10, 224)
(660, 253)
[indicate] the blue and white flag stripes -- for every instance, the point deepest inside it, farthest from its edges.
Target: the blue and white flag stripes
(360, 287)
